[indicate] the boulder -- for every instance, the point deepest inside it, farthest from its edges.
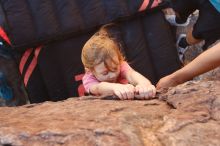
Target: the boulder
(188, 114)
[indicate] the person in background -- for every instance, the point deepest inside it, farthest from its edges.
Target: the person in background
(206, 28)
(107, 72)
(6, 92)
(206, 61)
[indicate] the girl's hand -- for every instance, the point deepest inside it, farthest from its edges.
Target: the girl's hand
(145, 91)
(124, 91)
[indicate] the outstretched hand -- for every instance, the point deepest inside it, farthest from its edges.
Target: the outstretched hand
(166, 82)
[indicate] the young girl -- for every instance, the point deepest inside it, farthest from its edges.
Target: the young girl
(107, 72)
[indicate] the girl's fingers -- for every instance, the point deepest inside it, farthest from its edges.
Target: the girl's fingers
(130, 92)
(154, 90)
(145, 92)
(118, 93)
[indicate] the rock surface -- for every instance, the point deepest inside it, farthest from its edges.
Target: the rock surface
(187, 115)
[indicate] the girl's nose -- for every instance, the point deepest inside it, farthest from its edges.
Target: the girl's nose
(111, 75)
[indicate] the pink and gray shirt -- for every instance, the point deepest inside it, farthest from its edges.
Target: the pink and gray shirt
(89, 79)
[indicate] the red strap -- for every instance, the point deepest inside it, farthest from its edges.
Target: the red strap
(4, 35)
(32, 65)
(24, 59)
(144, 5)
(155, 3)
(81, 89)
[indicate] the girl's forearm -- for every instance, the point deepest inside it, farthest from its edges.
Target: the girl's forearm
(102, 88)
(136, 78)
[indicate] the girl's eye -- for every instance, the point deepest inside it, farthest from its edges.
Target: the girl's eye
(105, 73)
(114, 70)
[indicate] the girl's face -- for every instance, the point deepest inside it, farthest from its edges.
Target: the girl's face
(103, 74)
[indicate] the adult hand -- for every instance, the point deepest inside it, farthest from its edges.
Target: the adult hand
(166, 82)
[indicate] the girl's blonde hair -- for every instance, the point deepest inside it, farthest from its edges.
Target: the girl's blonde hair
(101, 48)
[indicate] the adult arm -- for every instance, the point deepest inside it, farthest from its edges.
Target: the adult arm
(206, 61)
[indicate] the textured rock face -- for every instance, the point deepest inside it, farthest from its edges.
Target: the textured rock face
(196, 118)
(187, 115)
